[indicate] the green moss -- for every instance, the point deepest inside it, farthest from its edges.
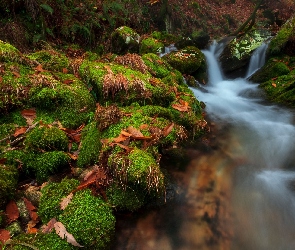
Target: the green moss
(90, 220)
(8, 53)
(43, 138)
(52, 195)
(131, 198)
(156, 66)
(151, 45)
(14, 228)
(273, 68)
(91, 146)
(40, 241)
(50, 60)
(8, 183)
(187, 60)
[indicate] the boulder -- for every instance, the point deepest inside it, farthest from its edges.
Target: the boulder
(151, 45)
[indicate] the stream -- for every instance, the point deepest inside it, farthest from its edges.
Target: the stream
(237, 192)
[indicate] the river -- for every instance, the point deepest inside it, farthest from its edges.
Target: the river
(237, 192)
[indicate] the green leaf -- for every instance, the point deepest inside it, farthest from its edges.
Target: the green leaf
(47, 8)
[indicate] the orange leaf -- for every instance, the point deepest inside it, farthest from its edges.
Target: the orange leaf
(12, 212)
(179, 107)
(49, 226)
(143, 126)
(120, 138)
(65, 70)
(66, 201)
(32, 210)
(20, 131)
(64, 234)
(30, 227)
(68, 81)
(39, 68)
(168, 129)
(4, 236)
(73, 156)
(274, 85)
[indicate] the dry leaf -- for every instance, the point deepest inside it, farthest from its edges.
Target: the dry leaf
(168, 129)
(16, 74)
(66, 201)
(32, 210)
(68, 81)
(49, 226)
(181, 107)
(64, 234)
(120, 138)
(1, 79)
(30, 227)
(274, 85)
(73, 156)
(39, 68)
(29, 115)
(20, 131)
(12, 212)
(4, 236)
(65, 70)
(143, 126)
(3, 160)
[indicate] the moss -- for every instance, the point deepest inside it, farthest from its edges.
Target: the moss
(187, 60)
(156, 66)
(47, 138)
(90, 220)
(151, 45)
(50, 60)
(8, 183)
(40, 241)
(273, 68)
(8, 53)
(91, 146)
(52, 195)
(130, 198)
(124, 39)
(14, 229)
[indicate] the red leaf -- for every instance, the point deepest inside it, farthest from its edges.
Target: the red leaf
(4, 236)
(32, 210)
(64, 234)
(49, 226)
(168, 129)
(20, 131)
(12, 212)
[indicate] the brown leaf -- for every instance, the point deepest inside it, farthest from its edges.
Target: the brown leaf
(122, 146)
(274, 85)
(134, 132)
(31, 227)
(39, 68)
(20, 131)
(65, 70)
(16, 74)
(49, 226)
(68, 81)
(1, 79)
(168, 129)
(29, 115)
(66, 201)
(180, 107)
(4, 236)
(32, 210)
(120, 138)
(143, 126)
(3, 160)
(73, 156)
(12, 212)
(64, 234)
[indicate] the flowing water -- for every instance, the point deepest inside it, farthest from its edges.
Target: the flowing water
(237, 192)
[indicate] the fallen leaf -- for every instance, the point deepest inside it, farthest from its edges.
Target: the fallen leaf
(1, 79)
(49, 226)
(180, 107)
(134, 132)
(29, 115)
(12, 212)
(274, 85)
(32, 210)
(4, 236)
(66, 201)
(31, 227)
(121, 138)
(65, 70)
(39, 68)
(68, 81)
(3, 160)
(64, 234)
(73, 156)
(20, 131)
(143, 126)
(122, 146)
(16, 74)
(168, 129)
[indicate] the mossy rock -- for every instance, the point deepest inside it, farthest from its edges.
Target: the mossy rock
(39, 241)
(278, 44)
(238, 51)
(9, 53)
(90, 146)
(156, 66)
(122, 85)
(165, 37)
(273, 68)
(130, 198)
(52, 195)
(14, 86)
(50, 60)
(72, 104)
(8, 183)
(47, 138)
(200, 38)
(151, 45)
(184, 42)
(124, 39)
(187, 60)
(90, 220)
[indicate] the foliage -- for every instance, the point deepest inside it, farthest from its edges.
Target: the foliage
(8, 183)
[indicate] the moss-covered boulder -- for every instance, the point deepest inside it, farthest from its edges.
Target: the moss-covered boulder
(237, 53)
(124, 39)
(273, 68)
(90, 146)
(156, 65)
(9, 53)
(200, 38)
(187, 60)
(90, 220)
(8, 183)
(284, 41)
(151, 45)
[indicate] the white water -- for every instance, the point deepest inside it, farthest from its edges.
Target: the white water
(263, 202)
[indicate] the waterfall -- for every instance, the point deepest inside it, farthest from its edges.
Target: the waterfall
(257, 59)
